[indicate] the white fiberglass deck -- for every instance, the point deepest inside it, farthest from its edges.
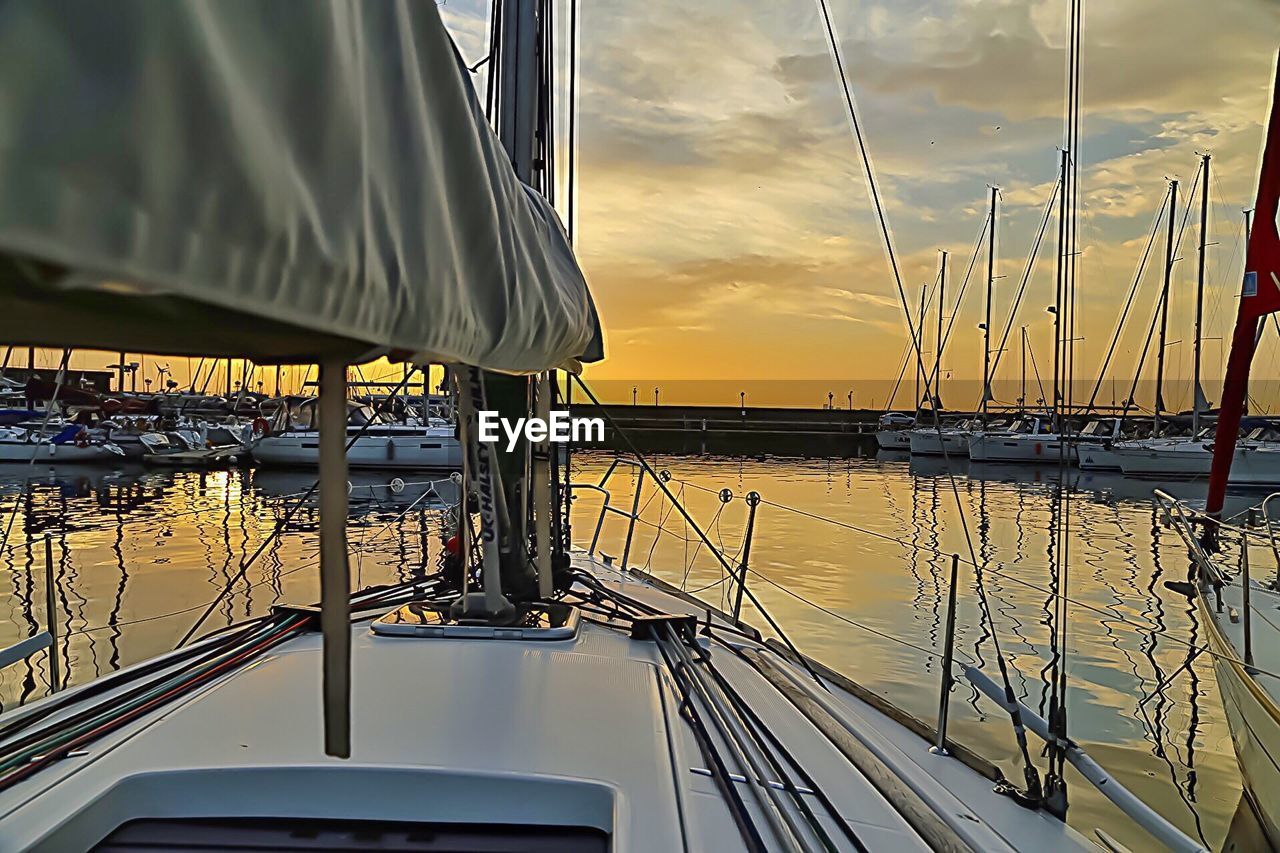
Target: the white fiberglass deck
(581, 732)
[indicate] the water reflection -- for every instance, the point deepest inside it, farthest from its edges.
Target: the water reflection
(139, 554)
(1138, 699)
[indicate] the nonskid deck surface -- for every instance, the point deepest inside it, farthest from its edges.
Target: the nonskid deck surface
(584, 732)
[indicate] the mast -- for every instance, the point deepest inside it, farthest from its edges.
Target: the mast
(1060, 278)
(924, 290)
(502, 479)
(1196, 392)
(986, 326)
(1022, 386)
(1164, 304)
(937, 362)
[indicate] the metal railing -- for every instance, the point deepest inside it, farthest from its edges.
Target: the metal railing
(607, 506)
(47, 639)
(1210, 576)
(752, 499)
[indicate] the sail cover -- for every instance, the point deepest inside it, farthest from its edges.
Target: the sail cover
(274, 179)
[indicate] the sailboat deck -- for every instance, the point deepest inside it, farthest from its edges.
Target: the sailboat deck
(1264, 605)
(581, 733)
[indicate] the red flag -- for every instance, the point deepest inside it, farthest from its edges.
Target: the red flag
(1259, 296)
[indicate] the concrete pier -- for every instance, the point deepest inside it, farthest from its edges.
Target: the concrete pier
(740, 431)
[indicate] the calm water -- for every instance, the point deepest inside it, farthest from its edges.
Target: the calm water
(852, 558)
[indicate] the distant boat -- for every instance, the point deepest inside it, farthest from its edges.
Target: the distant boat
(892, 431)
(950, 439)
(72, 444)
(1029, 440)
(1095, 445)
(290, 440)
(1255, 458)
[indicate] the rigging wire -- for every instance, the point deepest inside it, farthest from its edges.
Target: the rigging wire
(998, 569)
(1027, 273)
(644, 463)
(1031, 775)
(964, 286)
(1133, 292)
(1035, 369)
(1130, 402)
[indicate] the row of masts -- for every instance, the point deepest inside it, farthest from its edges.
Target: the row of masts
(1060, 405)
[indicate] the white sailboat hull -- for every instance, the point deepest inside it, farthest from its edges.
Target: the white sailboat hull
(1164, 458)
(1097, 457)
(1253, 713)
(45, 453)
(1257, 465)
(893, 439)
(580, 732)
(432, 448)
(1018, 448)
(1253, 464)
(929, 442)
(978, 443)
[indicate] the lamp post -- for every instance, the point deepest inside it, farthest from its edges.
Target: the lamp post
(742, 402)
(851, 401)
(831, 399)
(655, 395)
(634, 390)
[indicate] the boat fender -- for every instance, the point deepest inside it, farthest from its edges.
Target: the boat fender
(82, 438)
(391, 449)
(1039, 447)
(261, 428)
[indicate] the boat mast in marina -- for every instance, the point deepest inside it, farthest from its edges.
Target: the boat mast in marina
(920, 368)
(1199, 403)
(986, 326)
(937, 361)
(1059, 288)
(1022, 383)
(1164, 307)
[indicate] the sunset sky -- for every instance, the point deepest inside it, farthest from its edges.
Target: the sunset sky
(724, 222)
(724, 218)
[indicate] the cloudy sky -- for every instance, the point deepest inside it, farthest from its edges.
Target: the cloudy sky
(724, 221)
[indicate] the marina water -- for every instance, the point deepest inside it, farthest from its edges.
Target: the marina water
(852, 557)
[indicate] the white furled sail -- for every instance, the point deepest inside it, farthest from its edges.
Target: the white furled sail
(270, 179)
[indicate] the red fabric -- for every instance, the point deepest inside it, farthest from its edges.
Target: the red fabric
(1260, 296)
(1263, 259)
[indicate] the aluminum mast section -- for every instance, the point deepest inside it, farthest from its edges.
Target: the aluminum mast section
(986, 326)
(1196, 391)
(1164, 305)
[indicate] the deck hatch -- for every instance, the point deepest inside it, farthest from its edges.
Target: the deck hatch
(284, 834)
(533, 621)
